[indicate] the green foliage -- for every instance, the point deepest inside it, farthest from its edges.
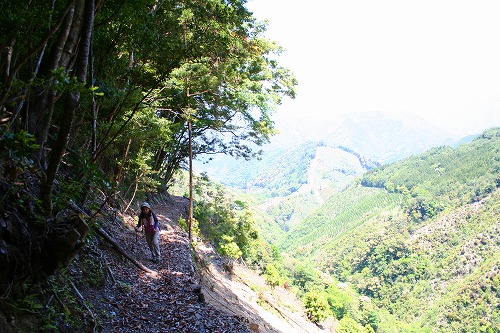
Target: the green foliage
(15, 155)
(349, 325)
(93, 273)
(272, 181)
(225, 219)
(229, 248)
(431, 263)
(373, 320)
(304, 275)
(211, 67)
(195, 226)
(339, 300)
(443, 178)
(124, 287)
(17, 168)
(30, 303)
(417, 245)
(316, 305)
(48, 307)
(339, 214)
(272, 275)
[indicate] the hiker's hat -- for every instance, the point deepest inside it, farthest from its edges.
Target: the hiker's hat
(145, 204)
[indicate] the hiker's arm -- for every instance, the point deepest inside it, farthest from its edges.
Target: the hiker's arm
(156, 221)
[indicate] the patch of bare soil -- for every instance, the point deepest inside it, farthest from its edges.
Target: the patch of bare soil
(242, 292)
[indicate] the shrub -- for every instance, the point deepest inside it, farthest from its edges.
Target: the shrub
(229, 248)
(273, 276)
(349, 325)
(317, 307)
(339, 301)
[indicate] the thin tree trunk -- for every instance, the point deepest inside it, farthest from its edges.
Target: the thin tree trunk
(101, 148)
(41, 109)
(94, 108)
(72, 103)
(119, 172)
(190, 219)
(29, 54)
(133, 195)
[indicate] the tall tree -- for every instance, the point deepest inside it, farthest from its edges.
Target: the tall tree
(106, 82)
(228, 78)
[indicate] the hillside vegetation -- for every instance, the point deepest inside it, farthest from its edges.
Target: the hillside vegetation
(341, 213)
(102, 103)
(302, 167)
(419, 238)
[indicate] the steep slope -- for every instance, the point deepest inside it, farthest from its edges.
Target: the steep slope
(281, 171)
(339, 214)
(329, 170)
(378, 136)
(428, 256)
(441, 275)
(287, 184)
(112, 286)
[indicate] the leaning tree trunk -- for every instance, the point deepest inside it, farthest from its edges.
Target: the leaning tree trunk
(41, 108)
(72, 103)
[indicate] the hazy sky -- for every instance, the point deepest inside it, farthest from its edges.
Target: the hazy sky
(436, 58)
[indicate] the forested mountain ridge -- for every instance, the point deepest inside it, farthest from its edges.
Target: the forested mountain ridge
(419, 237)
(303, 167)
(376, 136)
(288, 182)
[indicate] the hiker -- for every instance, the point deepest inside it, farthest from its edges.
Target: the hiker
(148, 219)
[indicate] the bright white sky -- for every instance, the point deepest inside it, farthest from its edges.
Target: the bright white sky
(439, 59)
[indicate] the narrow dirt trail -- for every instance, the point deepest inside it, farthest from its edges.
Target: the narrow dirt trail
(167, 298)
(242, 293)
(132, 300)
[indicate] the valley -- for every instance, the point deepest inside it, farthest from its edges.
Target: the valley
(391, 232)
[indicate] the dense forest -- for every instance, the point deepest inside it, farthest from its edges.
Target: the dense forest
(104, 101)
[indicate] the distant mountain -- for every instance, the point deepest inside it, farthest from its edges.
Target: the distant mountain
(379, 136)
(322, 174)
(424, 185)
(374, 135)
(292, 181)
(284, 170)
(304, 166)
